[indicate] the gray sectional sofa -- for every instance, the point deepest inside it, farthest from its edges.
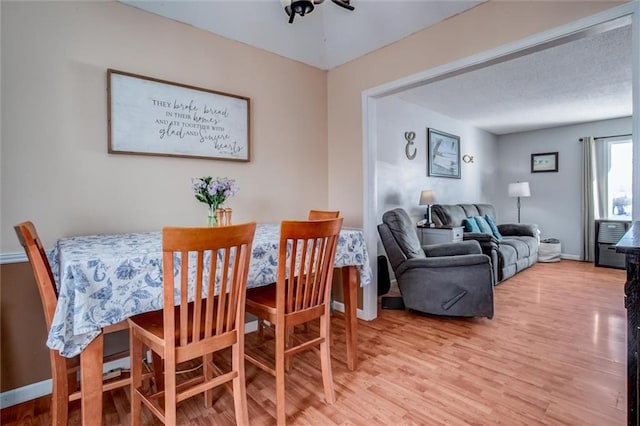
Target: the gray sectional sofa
(515, 251)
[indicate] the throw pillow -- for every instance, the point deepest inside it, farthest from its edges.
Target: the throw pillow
(483, 225)
(471, 225)
(494, 227)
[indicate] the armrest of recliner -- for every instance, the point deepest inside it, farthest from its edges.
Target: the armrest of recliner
(442, 262)
(480, 237)
(518, 229)
(452, 249)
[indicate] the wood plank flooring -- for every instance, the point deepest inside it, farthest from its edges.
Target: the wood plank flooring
(554, 354)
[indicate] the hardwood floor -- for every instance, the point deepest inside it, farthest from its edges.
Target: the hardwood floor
(555, 353)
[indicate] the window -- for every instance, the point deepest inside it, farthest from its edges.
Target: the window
(619, 154)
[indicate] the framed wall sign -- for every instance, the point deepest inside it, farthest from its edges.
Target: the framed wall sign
(544, 162)
(443, 154)
(148, 116)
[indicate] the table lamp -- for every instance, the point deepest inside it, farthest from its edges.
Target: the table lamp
(519, 189)
(427, 198)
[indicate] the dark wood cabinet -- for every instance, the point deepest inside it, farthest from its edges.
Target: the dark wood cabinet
(629, 245)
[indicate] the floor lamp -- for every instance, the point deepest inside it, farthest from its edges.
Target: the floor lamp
(519, 189)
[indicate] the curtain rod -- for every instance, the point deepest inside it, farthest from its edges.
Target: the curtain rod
(607, 137)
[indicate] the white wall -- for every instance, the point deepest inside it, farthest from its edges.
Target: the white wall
(555, 197)
(400, 180)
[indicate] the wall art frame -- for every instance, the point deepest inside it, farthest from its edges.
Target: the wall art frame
(544, 162)
(149, 116)
(443, 154)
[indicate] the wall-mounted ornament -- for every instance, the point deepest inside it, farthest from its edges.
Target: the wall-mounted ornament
(467, 158)
(409, 137)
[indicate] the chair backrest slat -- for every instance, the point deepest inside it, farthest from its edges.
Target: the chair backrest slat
(222, 317)
(232, 293)
(209, 258)
(305, 266)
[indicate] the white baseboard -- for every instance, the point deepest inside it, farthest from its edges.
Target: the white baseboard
(339, 306)
(13, 257)
(36, 390)
(570, 256)
(25, 393)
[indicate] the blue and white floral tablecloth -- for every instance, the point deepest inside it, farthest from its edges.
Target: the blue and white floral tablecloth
(104, 279)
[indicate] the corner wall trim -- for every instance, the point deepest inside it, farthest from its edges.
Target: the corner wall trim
(13, 258)
(570, 256)
(25, 393)
(339, 306)
(36, 390)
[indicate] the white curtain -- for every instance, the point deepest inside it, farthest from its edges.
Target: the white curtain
(594, 183)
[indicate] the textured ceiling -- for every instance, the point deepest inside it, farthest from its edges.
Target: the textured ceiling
(325, 38)
(584, 80)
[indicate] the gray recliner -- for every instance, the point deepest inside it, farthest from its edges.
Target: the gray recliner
(452, 279)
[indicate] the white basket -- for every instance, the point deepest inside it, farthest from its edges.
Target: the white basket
(549, 252)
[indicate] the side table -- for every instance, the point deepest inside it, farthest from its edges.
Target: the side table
(440, 235)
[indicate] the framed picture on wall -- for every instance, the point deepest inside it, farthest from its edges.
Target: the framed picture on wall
(148, 116)
(544, 162)
(443, 154)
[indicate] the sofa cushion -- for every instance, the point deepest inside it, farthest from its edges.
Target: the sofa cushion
(470, 210)
(404, 232)
(487, 209)
(508, 255)
(470, 225)
(522, 248)
(448, 215)
(494, 227)
(531, 242)
(483, 225)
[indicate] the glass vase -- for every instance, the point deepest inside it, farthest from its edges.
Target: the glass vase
(213, 218)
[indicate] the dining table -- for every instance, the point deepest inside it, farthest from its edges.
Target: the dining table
(104, 279)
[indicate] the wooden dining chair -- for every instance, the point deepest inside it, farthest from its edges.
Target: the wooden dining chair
(301, 294)
(204, 307)
(63, 370)
(323, 214)
(313, 215)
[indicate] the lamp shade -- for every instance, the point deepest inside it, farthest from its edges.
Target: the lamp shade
(427, 197)
(519, 189)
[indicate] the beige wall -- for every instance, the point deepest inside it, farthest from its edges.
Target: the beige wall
(55, 167)
(485, 27)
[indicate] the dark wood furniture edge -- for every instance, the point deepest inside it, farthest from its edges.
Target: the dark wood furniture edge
(630, 246)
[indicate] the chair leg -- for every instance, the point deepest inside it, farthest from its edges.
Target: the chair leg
(281, 336)
(261, 329)
(170, 396)
(158, 371)
(136, 349)
(207, 373)
(325, 360)
(60, 396)
(289, 360)
(239, 383)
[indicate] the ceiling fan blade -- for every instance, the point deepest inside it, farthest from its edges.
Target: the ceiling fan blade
(318, 1)
(344, 3)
